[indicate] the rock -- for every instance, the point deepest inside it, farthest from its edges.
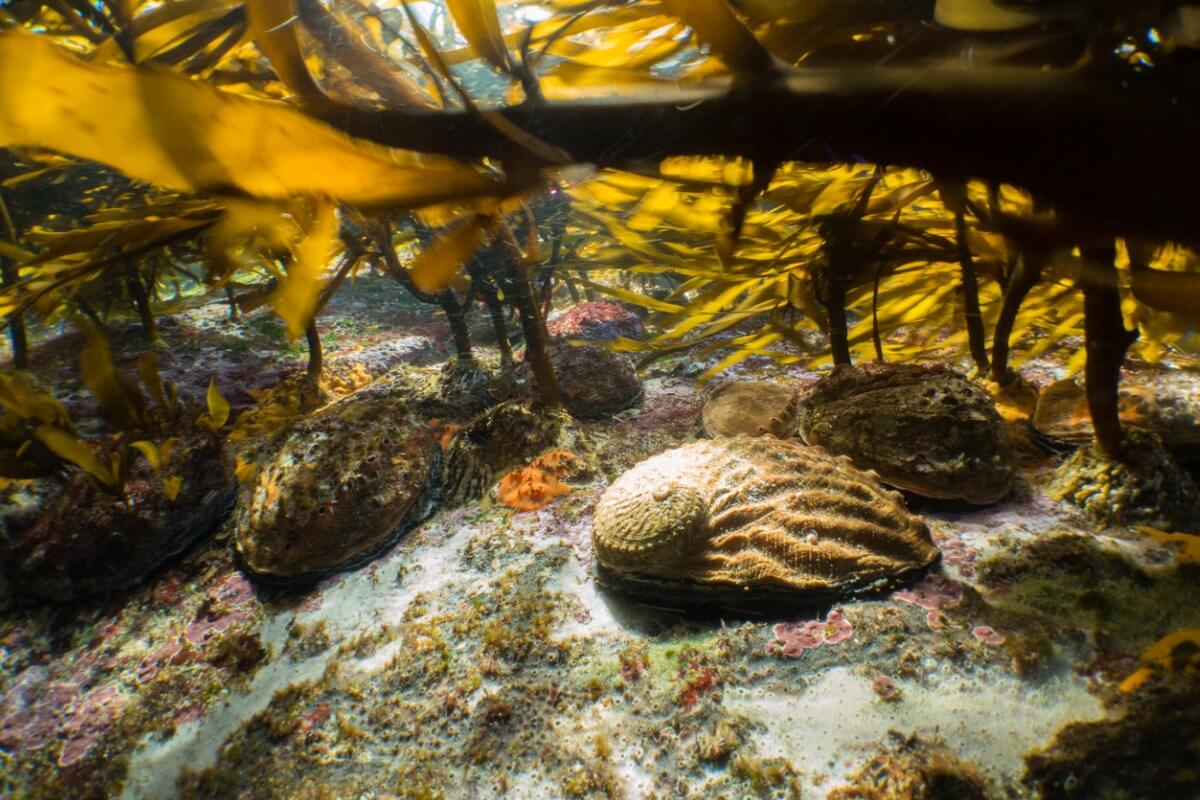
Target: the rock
(593, 380)
(1146, 486)
(751, 407)
(597, 320)
(923, 429)
(67, 540)
(339, 489)
(745, 519)
(1145, 748)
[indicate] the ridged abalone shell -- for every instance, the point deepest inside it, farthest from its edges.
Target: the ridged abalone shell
(755, 408)
(339, 488)
(924, 429)
(743, 517)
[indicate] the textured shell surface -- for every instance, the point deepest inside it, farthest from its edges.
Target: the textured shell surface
(752, 513)
(337, 489)
(1162, 401)
(925, 429)
(754, 408)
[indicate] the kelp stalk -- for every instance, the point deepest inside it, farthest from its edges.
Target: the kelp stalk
(976, 335)
(10, 275)
(1077, 143)
(456, 315)
(315, 358)
(537, 347)
(1026, 274)
(1107, 339)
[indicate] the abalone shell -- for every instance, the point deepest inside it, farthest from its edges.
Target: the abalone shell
(754, 408)
(924, 429)
(744, 519)
(342, 485)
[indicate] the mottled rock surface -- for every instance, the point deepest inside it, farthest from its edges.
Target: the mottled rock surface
(1145, 486)
(594, 381)
(924, 429)
(597, 320)
(747, 514)
(66, 540)
(339, 488)
(751, 407)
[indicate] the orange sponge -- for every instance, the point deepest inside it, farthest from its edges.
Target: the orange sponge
(534, 486)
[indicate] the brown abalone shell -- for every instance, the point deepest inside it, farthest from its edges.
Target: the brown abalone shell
(751, 517)
(925, 429)
(754, 408)
(1163, 402)
(338, 490)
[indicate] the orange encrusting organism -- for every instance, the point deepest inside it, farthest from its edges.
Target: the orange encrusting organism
(534, 486)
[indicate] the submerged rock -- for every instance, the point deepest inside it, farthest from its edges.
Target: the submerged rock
(914, 769)
(1145, 486)
(593, 380)
(597, 320)
(64, 541)
(731, 520)
(463, 385)
(340, 488)
(924, 429)
(754, 408)
(1146, 747)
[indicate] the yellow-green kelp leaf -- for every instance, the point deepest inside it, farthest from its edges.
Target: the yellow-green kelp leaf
(439, 262)
(184, 135)
(20, 395)
(218, 409)
(479, 25)
(120, 399)
(68, 447)
(296, 298)
(715, 24)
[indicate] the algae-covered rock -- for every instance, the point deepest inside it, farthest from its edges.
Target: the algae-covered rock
(924, 429)
(593, 380)
(1144, 486)
(64, 540)
(340, 487)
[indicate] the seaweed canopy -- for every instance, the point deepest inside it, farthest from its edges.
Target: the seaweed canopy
(985, 217)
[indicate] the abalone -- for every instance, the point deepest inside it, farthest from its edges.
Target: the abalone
(754, 408)
(735, 520)
(1163, 402)
(924, 429)
(339, 489)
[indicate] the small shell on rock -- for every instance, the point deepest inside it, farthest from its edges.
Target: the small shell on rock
(754, 408)
(736, 517)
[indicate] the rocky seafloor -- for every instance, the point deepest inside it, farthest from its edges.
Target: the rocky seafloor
(476, 659)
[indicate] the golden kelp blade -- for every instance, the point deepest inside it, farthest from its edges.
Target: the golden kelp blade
(439, 262)
(69, 448)
(218, 409)
(714, 24)
(296, 299)
(181, 134)
(478, 23)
